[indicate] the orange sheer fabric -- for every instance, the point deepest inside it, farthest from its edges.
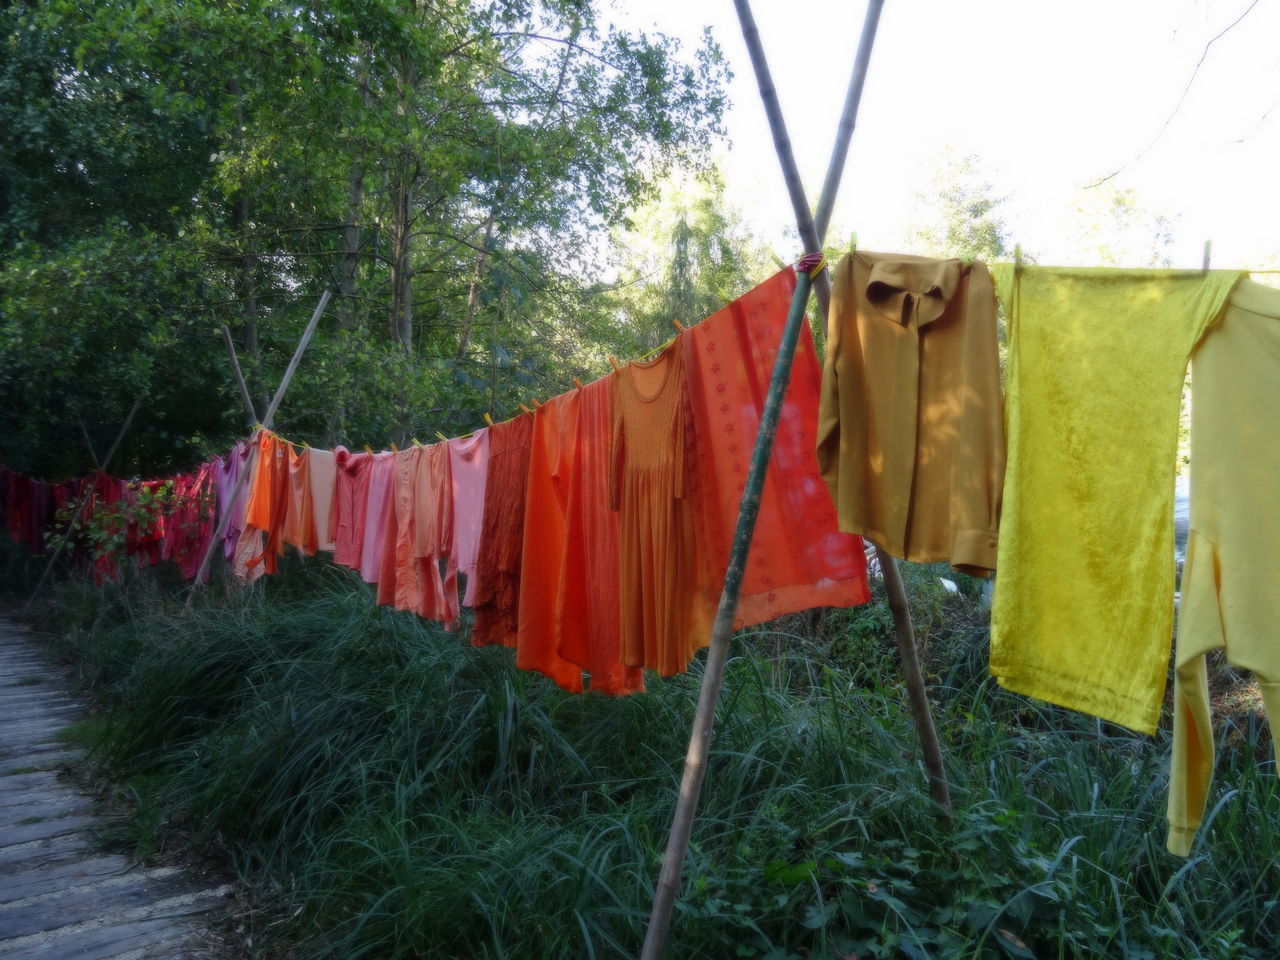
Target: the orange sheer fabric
(663, 619)
(269, 498)
(799, 559)
(545, 531)
(587, 611)
(497, 600)
(300, 520)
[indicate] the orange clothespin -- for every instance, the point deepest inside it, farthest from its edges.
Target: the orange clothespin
(525, 409)
(393, 448)
(613, 361)
(679, 326)
(577, 383)
(488, 419)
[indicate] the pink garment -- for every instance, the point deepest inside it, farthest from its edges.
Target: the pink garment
(469, 464)
(381, 477)
(324, 475)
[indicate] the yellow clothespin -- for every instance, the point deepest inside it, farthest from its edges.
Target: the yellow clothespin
(416, 441)
(1208, 247)
(853, 242)
(441, 436)
(368, 449)
(393, 448)
(1017, 259)
(488, 419)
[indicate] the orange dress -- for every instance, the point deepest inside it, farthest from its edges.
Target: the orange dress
(663, 614)
(268, 505)
(799, 559)
(545, 529)
(497, 600)
(587, 608)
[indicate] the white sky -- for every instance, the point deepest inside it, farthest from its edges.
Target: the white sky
(1050, 97)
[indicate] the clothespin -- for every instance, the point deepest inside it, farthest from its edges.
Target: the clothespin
(441, 436)
(1208, 247)
(853, 242)
(393, 448)
(613, 361)
(488, 419)
(526, 409)
(778, 260)
(416, 441)
(368, 449)
(678, 325)
(534, 401)
(1017, 259)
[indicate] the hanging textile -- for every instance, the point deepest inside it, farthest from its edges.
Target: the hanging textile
(497, 600)
(410, 578)
(663, 609)
(268, 506)
(730, 358)
(324, 477)
(227, 471)
(910, 428)
(381, 475)
(144, 534)
(587, 607)
(351, 492)
(1229, 595)
(300, 519)
(1083, 610)
(469, 466)
(189, 525)
(555, 425)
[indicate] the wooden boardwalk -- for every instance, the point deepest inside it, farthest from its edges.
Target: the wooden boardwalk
(60, 897)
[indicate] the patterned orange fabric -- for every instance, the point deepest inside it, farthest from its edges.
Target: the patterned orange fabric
(497, 601)
(799, 559)
(663, 618)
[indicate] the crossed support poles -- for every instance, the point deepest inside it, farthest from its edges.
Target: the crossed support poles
(812, 229)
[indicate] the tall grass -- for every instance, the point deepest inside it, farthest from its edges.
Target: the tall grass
(395, 793)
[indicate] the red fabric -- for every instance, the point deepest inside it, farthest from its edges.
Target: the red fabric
(144, 535)
(351, 491)
(799, 559)
(189, 527)
(497, 601)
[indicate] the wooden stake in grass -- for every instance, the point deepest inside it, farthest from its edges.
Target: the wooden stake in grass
(225, 520)
(722, 631)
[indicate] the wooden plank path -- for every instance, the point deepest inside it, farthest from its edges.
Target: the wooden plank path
(60, 897)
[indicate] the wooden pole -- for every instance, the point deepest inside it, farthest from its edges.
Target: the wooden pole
(812, 238)
(84, 499)
(245, 397)
(722, 631)
(224, 521)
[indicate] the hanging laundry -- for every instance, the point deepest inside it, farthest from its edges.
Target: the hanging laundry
(324, 475)
(300, 519)
(587, 606)
(663, 614)
(268, 507)
(1229, 595)
(434, 539)
(1083, 610)
(497, 599)
(555, 425)
(730, 358)
(144, 536)
(228, 470)
(403, 578)
(350, 494)
(469, 465)
(381, 475)
(910, 426)
(189, 525)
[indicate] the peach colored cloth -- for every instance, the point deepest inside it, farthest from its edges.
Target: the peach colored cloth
(663, 619)
(469, 466)
(497, 601)
(799, 559)
(323, 479)
(351, 492)
(381, 474)
(433, 535)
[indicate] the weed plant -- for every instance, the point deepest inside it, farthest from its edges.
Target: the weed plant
(393, 792)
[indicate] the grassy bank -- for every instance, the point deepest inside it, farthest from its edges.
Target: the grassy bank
(391, 792)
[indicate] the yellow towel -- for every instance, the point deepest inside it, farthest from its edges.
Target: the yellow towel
(1083, 609)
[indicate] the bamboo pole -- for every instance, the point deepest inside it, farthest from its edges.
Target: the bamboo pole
(812, 237)
(84, 499)
(245, 398)
(224, 520)
(722, 631)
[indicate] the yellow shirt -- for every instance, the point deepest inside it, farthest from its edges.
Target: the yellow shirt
(910, 422)
(1083, 608)
(1229, 583)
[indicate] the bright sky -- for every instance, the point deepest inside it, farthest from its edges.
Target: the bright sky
(1049, 97)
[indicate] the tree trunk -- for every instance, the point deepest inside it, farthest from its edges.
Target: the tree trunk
(401, 318)
(473, 294)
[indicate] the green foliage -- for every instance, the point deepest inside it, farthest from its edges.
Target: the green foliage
(397, 793)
